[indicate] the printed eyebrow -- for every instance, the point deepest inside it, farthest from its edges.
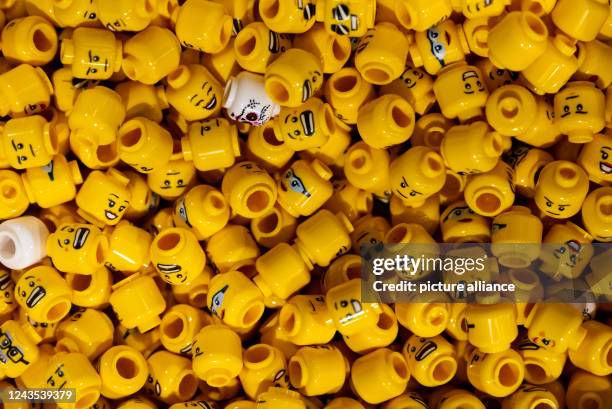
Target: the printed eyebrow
(14, 146)
(564, 205)
(405, 181)
(65, 227)
(117, 196)
(548, 199)
(571, 97)
(362, 235)
(191, 99)
(32, 150)
(205, 84)
(606, 148)
(173, 173)
(287, 117)
(28, 277)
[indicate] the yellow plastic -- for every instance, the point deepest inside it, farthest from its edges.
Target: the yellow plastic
(530, 396)
(381, 54)
(43, 294)
(350, 18)
(305, 320)
(275, 227)
(422, 14)
(19, 349)
(517, 40)
(87, 331)
(567, 333)
(177, 255)
(91, 290)
(150, 55)
(173, 179)
(143, 144)
(566, 252)
(561, 188)
(580, 19)
(256, 46)
(77, 248)
(333, 50)
(350, 315)
(170, 379)
(498, 374)
(456, 398)
(417, 174)
(142, 100)
(380, 375)
(580, 111)
(249, 190)
(318, 370)
(203, 210)
(137, 302)
(140, 402)
(263, 146)
(346, 91)
(7, 295)
(367, 168)
(123, 371)
(304, 187)
(428, 214)
(52, 184)
(454, 328)
(336, 228)
(194, 92)
(24, 90)
(231, 246)
(142, 200)
(132, 15)
(286, 16)
(585, 389)
(515, 237)
(415, 86)
(280, 398)
(549, 72)
(264, 367)
(490, 193)
(461, 92)
(179, 325)
(542, 366)
(92, 53)
(479, 8)
(344, 403)
(217, 355)
(595, 214)
(73, 370)
(431, 361)
(75, 13)
(595, 159)
(424, 319)
(28, 142)
(527, 162)
(381, 335)
(211, 144)
(128, 249)
(438, 46)
(202, 13)
(31, 40)
(307, 126)
(369, 230)
(495, 77)
(293, 78)
(491, 327)
(348, 199)
(483, 144)
(593, 57)
(281, 271)
(235, 299)
(145, 343)
(96, 116)
(194, 293)
(386, 121)
(103, 198)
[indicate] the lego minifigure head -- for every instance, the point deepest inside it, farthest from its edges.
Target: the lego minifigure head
(93, 53)
(483, 8)
(17, 349)
(495, 77)
(287, 16)
(194, 92)
(304, 187)
(235, 299)
(597, 214)
(350, 18)
(580, 111)
(73, 370)
(44, 294)
(7, 296)
(77, 248)
(431, 361)
(596, 158)
(307, 126)
(104, 197)
(416, 175)
(171, 180)
(561, 188)
(461, 91)
(461, 224)
(29, 142)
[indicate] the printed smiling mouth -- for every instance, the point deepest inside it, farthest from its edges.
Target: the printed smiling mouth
(168, 268)
(36, 295)
(110, 215)
(469, 219)
(212, 104)
(605, 167)
(425, 350)
(80, 237)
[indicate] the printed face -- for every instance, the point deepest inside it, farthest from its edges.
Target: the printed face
(116, 25)
(22, 148)
(96, 61)
(10, 352)
(216, 302)
(58, 379)
(299, 125)
(181, 211)
(403, 189)
(152, 386)
(438, 43)
(554, 209)
(292, 182)
(573, 104)
(172, 179)
(205, 98)
(7, 297)
(254, 112)
(172, 273)
(72, 237)
(472, 83)
(501, 76)
(474, 8)
(311, 85)
(307, 9)
(277, 43)
(252, 168)
(569, 253)
(543, 340)
(115, 206)
(419, 349)
(605, 164)
(343, 22)
(31, 293)
(411, 76)
(348, 310)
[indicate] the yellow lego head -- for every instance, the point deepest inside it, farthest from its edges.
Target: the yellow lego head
(561, 188)
(194, 92)
(17, 349)
(44, 294)
(93, 53)
(580, 111)
(461, 92)
(77, 248)
(104, 197)
(307, 126)
(173, 179)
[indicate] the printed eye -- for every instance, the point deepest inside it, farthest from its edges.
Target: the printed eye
(566, 108)
(457, 212)
(297, 133)
(70, 230)
(579, 108)
(413, 193)
(344, 303)
(604, 154)
(23, 158)
(467, 86)
(111, 203)
(121, 208)
(561, 208)
(93, 70)
(23, 293)
(92, 16)
(499, 72)
(166, 182)
(206, 128)
(180, 182)
(31, 284)
(548, 204)
(66, 241)
(479, 84)
(252, 116)
(294, 119)
(19, 146)
(403, 185)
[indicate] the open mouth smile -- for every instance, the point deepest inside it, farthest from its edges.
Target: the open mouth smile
(36, 295)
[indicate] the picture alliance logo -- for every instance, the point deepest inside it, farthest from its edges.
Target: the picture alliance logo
(410, 265)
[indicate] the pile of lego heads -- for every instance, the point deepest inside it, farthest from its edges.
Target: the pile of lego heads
(186, 188)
